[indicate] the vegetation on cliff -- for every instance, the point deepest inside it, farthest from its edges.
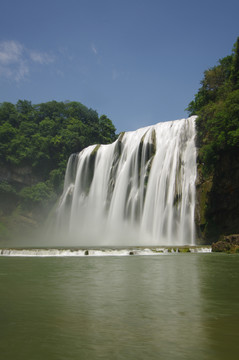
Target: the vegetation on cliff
(217, 107)
(35, 144)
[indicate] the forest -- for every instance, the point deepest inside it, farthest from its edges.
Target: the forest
(217, 106)
(35, 144)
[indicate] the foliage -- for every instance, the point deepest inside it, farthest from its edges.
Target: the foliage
(42, 137)
(217, 107)
(41, 194)
(6, 188)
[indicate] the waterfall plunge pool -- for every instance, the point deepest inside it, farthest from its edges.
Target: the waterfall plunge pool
(182, 307)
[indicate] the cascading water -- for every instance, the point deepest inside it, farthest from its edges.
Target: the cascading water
(140, 190)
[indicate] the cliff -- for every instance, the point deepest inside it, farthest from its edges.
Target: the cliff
(15, 220)
(216, 105)
(18, 176)
(217, 209)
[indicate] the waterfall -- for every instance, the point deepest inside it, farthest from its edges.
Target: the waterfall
(138, 191)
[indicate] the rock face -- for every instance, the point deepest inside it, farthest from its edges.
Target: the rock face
(18, 176)
(203, 188)
(14, 222)
(217, 209)
(229, 243)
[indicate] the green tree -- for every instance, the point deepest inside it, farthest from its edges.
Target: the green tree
(106, 130)
(8, 113)
(43, 136)
(235, 65)
(217, 107)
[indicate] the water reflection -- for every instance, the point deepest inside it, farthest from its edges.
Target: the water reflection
(220, 306)
(137, 306)
(164, 307)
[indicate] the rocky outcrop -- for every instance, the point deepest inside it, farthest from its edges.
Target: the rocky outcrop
(203, 188)
(230, 243)
(15, 222)
(217, 205)
(18, 176)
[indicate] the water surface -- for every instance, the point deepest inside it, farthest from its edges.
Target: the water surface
(181, 306)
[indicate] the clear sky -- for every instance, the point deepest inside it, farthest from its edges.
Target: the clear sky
(137, 61)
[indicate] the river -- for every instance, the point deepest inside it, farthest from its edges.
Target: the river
(169, 307)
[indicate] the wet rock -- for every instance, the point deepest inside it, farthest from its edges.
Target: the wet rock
(217, 199)
(232, 239)
(221, 246)
(184, 250)
(230, 243)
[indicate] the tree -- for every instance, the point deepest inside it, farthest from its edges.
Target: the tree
(235, 65)
(106, 130)
(43, 136)
(24, 107)
(217, 107)
(8, 113)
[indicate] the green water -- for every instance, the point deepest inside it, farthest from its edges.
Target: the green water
(183, 306)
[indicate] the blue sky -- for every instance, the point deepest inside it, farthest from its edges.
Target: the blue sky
(137, 61)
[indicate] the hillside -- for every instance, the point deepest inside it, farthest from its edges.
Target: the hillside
(35, 144)
(217, 107)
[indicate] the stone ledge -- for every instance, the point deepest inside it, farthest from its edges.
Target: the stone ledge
(229, 244)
